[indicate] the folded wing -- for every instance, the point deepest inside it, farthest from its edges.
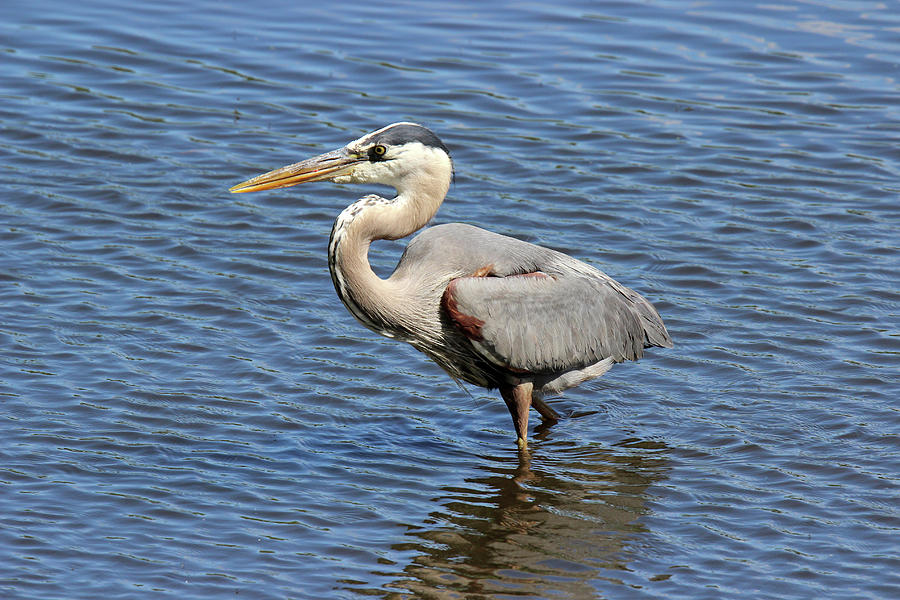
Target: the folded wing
(540, 323)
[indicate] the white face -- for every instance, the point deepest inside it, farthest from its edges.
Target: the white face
(398, 166)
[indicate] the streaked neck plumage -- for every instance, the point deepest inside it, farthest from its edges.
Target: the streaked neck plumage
(385, 305)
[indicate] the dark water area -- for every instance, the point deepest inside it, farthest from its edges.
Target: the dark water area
(189, 412)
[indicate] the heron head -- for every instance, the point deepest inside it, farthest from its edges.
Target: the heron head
(393, 155)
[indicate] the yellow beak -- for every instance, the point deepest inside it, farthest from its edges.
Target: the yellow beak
(323, 167)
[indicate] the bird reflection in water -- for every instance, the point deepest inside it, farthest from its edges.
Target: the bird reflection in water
(543, 532)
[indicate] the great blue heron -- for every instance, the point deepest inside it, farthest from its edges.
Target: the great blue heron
(489, 309)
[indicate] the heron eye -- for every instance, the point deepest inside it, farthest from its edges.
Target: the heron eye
(377, 152)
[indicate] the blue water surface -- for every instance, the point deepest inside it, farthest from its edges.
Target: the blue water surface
(190, 412)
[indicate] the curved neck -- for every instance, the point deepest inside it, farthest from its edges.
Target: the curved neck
(383, 305)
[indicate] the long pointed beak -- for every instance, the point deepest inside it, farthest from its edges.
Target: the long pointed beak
(323, 167)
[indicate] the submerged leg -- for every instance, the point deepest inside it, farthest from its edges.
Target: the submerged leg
(546, 412)
(518, 401)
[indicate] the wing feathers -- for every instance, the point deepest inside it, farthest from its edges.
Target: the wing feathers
(545, 324)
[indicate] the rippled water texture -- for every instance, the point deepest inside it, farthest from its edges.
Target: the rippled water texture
(189, 412)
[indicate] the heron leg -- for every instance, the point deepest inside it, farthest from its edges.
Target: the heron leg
(547, 413)
(518, 401)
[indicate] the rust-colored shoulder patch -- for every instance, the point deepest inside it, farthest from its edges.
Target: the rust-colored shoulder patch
(485, 271)
(469, 325)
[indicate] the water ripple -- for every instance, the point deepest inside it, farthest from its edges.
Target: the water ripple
(190, 410)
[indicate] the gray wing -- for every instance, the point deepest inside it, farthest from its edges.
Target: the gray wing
(542, 323)
(527, 307)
